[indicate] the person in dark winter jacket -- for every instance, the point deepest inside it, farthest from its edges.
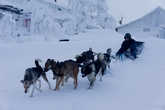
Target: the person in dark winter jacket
(129, 47)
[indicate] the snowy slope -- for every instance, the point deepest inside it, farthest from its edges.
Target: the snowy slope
(129, 85)
(148, 25)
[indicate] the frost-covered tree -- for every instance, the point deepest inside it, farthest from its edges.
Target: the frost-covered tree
(50, 19)
(90, 14)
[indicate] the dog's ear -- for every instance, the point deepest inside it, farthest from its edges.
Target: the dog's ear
(48, 59)
(52, 60)
(22, 81)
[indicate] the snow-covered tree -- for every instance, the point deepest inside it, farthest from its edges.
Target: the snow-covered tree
(91, 14)
(78, 16)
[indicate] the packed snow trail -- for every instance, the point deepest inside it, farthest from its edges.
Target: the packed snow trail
(132, 85)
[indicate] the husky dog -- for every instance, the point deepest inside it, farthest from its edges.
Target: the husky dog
(92, 69)
(108, 57)
(31, 77)
(61, 70)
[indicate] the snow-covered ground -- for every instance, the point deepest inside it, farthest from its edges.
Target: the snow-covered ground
(129, 85)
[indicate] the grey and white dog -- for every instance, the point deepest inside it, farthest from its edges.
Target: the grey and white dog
(31, 77)
(97, 67)
(108, 57)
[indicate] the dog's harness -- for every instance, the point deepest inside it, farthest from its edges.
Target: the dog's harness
(59, 75)
(88, 68)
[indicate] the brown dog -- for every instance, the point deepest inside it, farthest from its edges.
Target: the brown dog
(67, 69)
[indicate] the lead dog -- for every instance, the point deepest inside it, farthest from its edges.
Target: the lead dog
(67, 69)
(106, 57)
(31, 77)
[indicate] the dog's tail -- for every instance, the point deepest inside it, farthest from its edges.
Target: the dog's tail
(37, 63)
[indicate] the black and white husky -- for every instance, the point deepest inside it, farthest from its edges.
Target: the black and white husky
(106, 57)
(92, 69)
(97, 67)
(31, 77)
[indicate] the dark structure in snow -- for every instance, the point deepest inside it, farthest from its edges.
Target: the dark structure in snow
(64, 40)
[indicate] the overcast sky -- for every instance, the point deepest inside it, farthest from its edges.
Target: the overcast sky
(132, 9)
(129, 9)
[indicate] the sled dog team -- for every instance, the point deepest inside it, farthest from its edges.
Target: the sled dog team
(86, 62)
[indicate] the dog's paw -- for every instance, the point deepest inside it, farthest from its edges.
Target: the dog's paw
(56, 89)
(90, 87)
(50, 88)
(31, 96)
(75, 88)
